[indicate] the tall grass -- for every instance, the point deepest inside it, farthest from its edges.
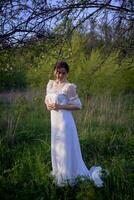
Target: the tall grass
(105, 128)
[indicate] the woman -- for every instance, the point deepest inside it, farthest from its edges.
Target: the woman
(61, 99)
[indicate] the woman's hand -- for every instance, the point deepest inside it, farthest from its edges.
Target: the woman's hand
(53, 106)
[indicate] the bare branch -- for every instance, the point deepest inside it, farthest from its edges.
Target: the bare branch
(21, 20)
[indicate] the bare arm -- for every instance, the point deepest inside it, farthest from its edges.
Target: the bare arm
(55, 106)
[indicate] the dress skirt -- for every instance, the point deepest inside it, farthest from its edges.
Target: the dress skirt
(67, 161)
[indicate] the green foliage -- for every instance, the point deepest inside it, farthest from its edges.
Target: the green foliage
(105, 127)
(105, 124)
(91, 66)
(99, 74)
(12, 70)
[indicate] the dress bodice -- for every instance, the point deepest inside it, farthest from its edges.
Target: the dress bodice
(56, 96)
(65, 94)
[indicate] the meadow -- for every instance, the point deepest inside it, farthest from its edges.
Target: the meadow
(105, 123)
(105, 127)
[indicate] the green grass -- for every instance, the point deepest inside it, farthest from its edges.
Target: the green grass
(105, 128)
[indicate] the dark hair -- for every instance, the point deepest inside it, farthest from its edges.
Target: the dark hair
(61, 64)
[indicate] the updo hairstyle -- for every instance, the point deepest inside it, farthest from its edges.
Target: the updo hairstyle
(61, 64)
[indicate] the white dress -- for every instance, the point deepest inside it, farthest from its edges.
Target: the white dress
(66, 157)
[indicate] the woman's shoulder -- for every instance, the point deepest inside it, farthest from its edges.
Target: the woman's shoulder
(71, 85)
(50, 83)
(68, 87)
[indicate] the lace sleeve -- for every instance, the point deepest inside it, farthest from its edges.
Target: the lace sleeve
(73, 96)
(49, 85)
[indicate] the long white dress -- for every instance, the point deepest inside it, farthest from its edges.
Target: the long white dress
(66, 157)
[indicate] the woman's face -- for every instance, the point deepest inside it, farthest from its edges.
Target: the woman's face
(60, 74)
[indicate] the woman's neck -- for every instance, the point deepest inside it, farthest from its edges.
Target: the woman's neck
(60, 81)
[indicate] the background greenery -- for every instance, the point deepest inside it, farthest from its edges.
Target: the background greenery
(105, 124)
